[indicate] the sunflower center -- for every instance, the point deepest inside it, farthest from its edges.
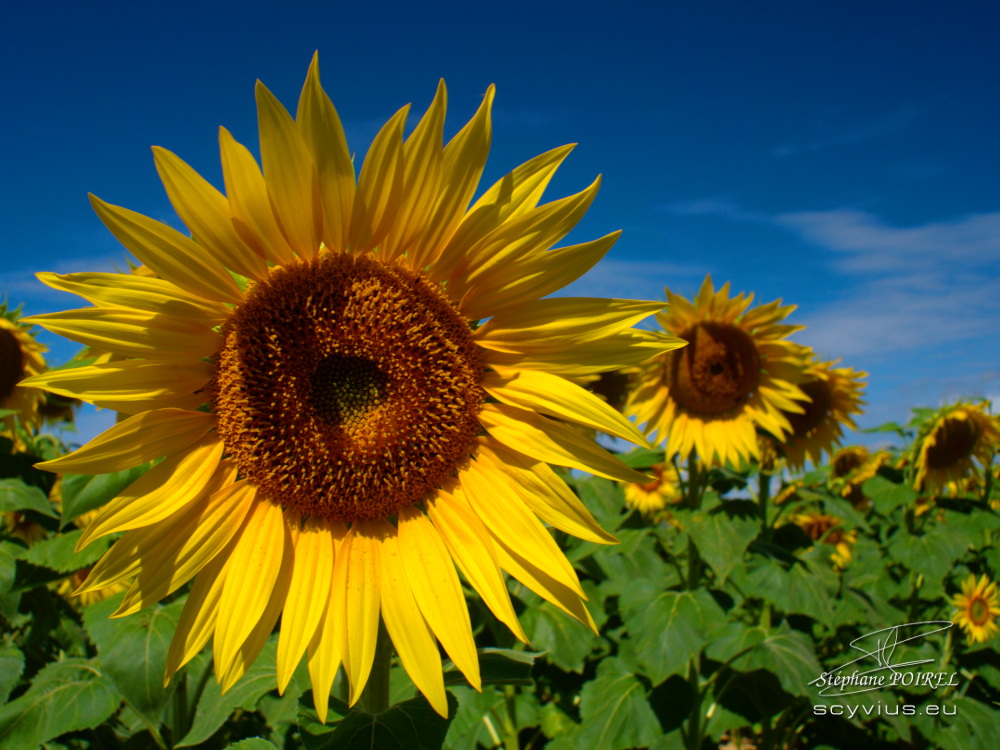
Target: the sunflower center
(979, 611)
(347, 388)
(815, 410)
(845, 463)
(11, 363)
(654, 484)
(717, 371)
(955, 440)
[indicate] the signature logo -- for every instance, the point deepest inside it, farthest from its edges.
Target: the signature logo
(878, 647)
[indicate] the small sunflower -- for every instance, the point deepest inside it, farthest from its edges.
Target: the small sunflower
(335, 423)
(978, 609)
(653, 496)
(827, 529)
(737, 373)
(851, 467)
(20, 357)
(834, 395)
(951, 444)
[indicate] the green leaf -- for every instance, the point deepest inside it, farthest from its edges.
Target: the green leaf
(788, 654)
(214, 708)
(133, 651)
(475, 721)
(932, 553)
(84, 492)
(971, 726)
(886, 496)
(16, 495)
(65, 696)
(634, 557)
(604, 498)
(498, 666)
(408, 725)
(723, 534)
(9, 554)
(615, 712)
(668, 627)
(56, 553)
(253, 743)
(565, 641)
(804, 588)
(642, 458)
(11, 668)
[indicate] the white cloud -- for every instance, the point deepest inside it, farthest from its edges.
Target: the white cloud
(833, 129)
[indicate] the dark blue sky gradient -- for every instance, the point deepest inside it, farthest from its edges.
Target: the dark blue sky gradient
(842, 157)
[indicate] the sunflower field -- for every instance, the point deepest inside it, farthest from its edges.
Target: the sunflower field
(371, 486)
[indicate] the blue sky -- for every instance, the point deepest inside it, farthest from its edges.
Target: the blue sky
(841, 156)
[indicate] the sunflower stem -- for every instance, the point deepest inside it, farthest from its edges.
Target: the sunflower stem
(375, 696)
(763, 497)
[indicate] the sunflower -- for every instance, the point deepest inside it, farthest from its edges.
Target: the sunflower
(851, 467)
(737, 373)
(834, 395)
(827, 529)
(978, 609)
(654, 495)
(949, 445)
(335, 424)
(20, 356)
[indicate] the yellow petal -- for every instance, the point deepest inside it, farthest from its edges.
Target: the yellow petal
(292, 182)
(356, 591)
(437, 590)
(423, 162)
(206, 213)
(307, 596)
(464, 160)
(323, 133)
(137, 292)
(528, 234)
(533, 277)
(197, 621)
(535, 578)
(135, 441)
(168, 487)
(176, 549)
(515, 193)
(472, 550)
(249, 204)
(169, 253)
(545, 493)
(558, 323)
(624, 349)
(126, 380)
(558, 397)
(132, 333)
(380, 186)
(497, 503)
(553, 442)
(543, 584)
(260, 632)
(323, 661)
(408, 629)
(257, 556)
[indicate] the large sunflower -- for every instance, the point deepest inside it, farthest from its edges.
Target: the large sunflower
(20, 356)
(335, 425)
(978, 609)
(737, 373)
(834, 395)
(950, 444)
